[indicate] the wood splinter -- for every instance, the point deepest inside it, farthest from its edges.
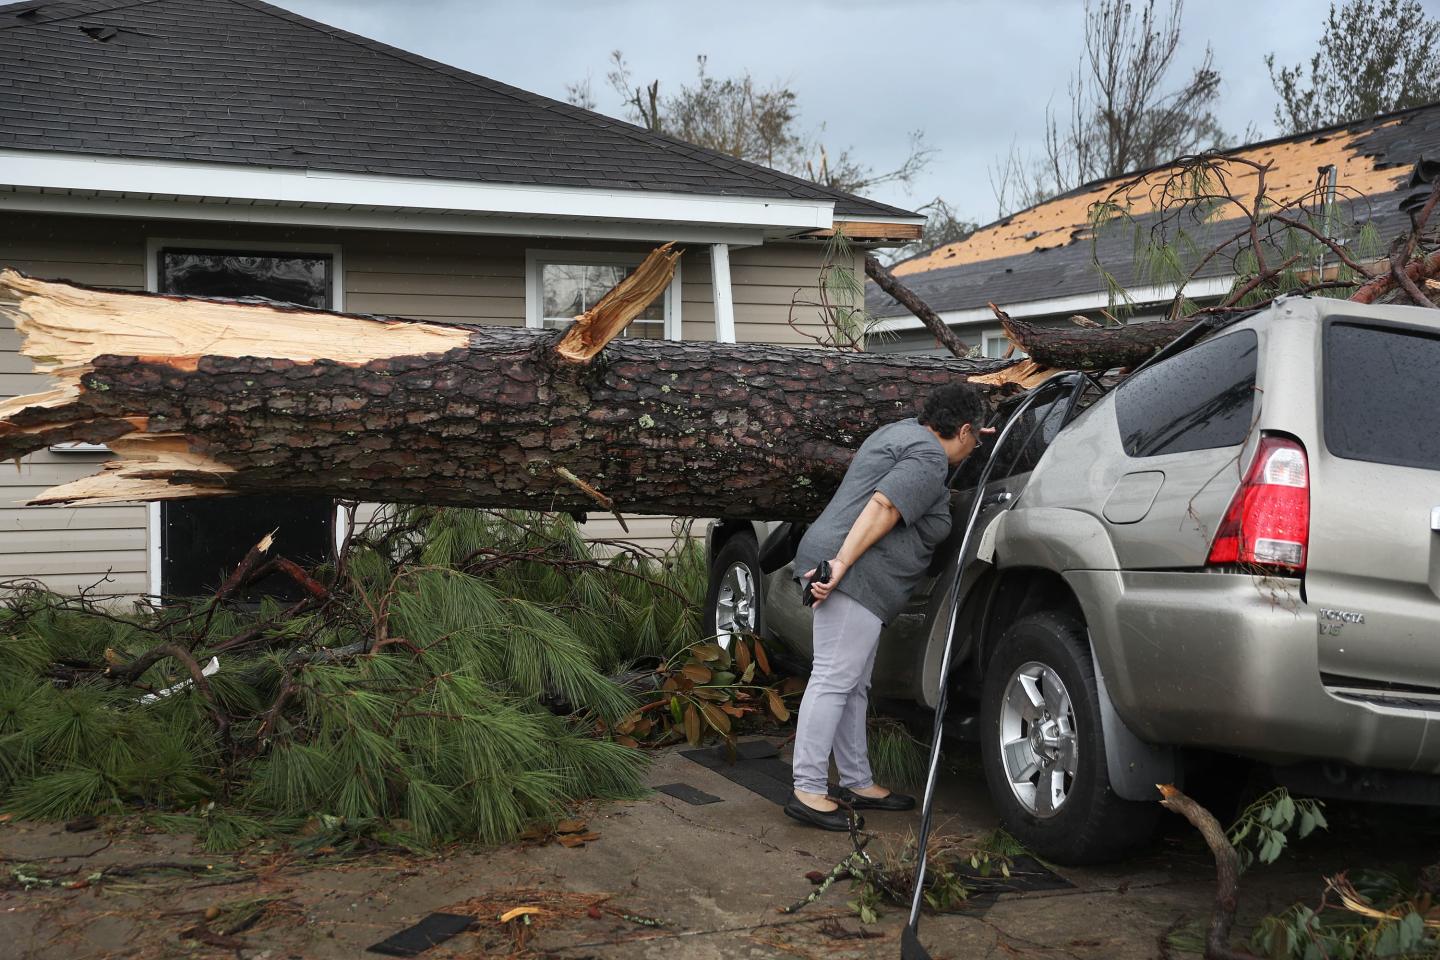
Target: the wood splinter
(632, 296)
(590, 491)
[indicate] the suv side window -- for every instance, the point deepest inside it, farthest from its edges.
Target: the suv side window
(1028, 440)
(1200, 399)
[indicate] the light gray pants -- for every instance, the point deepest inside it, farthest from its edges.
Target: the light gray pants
(832, 712)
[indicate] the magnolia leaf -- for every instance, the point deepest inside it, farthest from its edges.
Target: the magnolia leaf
(716, 717)
(711, 693)
(669, 684)
(696, 673)
(723, 678)
(761, 659)
(733, 710)
(749, 674)
(570, 826)
(743, 660)
(777, 706)
(643, 727)
(676, 711)
(791, 685)
(707, 651)
(630, 742)
(692, 726)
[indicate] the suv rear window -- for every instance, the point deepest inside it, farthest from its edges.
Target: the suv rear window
(1200, 399)
(1380, 386)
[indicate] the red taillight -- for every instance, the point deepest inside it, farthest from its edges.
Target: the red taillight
(1268, 522)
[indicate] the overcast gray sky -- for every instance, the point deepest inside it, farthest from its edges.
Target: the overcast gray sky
(972, 74)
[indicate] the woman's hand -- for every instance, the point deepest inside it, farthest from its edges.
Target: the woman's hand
(822, 590)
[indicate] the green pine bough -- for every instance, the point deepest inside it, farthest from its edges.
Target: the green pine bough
(448, 678)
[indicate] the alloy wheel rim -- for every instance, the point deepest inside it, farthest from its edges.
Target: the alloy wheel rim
(735, 605)
(1037, 739)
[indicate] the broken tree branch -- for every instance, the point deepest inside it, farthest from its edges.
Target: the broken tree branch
(1417, 270)
(132, 671)
(908, 299)
(1091, 348)
(1412, 290)
(629, 298)
(1227, 872)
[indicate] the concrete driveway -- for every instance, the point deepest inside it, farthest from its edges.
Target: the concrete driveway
(713, 876)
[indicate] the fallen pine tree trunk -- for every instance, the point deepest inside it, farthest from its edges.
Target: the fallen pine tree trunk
(205, 398)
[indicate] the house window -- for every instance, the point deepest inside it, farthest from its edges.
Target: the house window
(561, 285)
(201, 540)
(996, 343)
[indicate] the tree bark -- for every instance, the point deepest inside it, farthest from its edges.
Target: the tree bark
(213, 398)
(908, 299)
(1092, 348)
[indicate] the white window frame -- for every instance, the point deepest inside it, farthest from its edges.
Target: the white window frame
(535, 259)
(153, 246)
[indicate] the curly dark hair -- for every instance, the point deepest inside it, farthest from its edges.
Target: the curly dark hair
(950, 407)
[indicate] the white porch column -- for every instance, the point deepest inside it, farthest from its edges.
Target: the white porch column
(720, 283)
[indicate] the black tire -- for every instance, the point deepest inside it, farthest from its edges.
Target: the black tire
(1092, 824)
(740, 550)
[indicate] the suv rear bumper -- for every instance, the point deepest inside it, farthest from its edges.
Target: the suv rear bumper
(1230, 661)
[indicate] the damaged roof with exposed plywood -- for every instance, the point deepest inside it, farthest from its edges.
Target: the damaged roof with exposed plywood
(1047, 250)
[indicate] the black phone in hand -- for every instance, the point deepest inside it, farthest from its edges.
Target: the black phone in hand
(822, 575)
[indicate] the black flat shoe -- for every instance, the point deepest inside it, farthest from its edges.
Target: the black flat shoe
(891, 800)
(837, 819)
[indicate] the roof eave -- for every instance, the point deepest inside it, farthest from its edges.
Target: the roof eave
(106, 175)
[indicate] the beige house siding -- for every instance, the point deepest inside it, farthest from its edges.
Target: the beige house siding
(426, 276)
(66, 548)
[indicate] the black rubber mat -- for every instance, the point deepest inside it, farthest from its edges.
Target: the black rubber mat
(683, 791)
(413, 941)
(757, 767)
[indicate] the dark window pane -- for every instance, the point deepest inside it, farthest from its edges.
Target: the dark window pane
(1027, 441)
(1201, 399)
(212, 273)
(1380, 387)
(202, 541)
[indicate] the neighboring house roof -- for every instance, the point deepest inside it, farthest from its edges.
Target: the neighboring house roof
(244, 82)
(1047, 251)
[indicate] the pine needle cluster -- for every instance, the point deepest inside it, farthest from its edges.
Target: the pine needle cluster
(453, 683)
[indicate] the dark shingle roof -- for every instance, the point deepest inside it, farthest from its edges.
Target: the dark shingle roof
(1048, 251)
(240, 81)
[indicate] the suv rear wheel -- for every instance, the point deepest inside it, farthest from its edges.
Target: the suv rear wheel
(733, 601)
(1043, 749)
